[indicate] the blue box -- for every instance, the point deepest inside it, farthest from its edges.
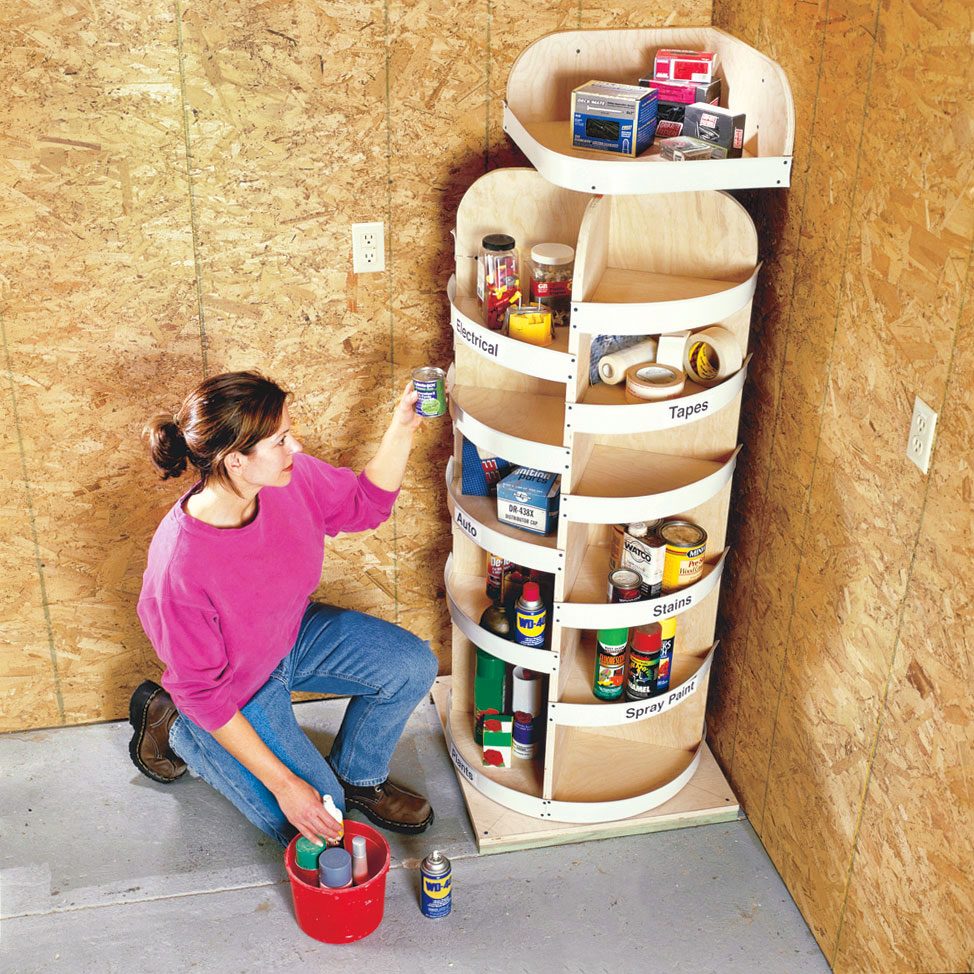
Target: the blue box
(528, 499)
(479, 475)
(611, 117)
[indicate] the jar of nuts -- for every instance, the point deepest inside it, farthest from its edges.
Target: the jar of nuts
(552, 265)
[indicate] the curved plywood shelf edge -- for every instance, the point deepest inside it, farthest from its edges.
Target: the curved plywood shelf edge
(497, 409)
(607, 714)
(538, 105)
(695, 302)
(596, 508)
(474, 516)
(561, 811)
(549, 363)
(540, 660)
(608, 615)
(651, 417)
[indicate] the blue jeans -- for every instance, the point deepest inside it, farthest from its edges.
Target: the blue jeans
(385, 670)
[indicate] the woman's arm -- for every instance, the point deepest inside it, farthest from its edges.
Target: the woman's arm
(387, 467)
(299, 801)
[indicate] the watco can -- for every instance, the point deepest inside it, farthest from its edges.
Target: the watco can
(668, 637)
(437, 882)
(686, 544)
(610, 663)
(430, 383)
(639, 547)
(644, 656)
(625, 585)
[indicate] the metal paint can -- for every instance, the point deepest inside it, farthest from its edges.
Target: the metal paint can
(668, 634)
(437, 886)
(530, 617)
(430, 383)
(610, 663)
(686, 544)
(644, 656)
(625, 585)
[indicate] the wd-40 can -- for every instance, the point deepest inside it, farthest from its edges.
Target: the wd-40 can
(643, 662)
(610, 663)
(668, 636)
(437, 878)
(530, 616)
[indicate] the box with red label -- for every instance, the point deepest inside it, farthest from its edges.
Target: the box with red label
(684, 92)
(670, 65)
(721, 127)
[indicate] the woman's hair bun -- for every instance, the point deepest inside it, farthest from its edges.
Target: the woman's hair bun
(167, 446)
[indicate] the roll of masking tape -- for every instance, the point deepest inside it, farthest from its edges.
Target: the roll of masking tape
(670, 349)
(711, 355)
(652, 381)
(612, 367)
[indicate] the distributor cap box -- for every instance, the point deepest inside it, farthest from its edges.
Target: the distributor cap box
(529, 499)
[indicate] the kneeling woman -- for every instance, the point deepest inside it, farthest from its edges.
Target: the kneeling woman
(226, 604)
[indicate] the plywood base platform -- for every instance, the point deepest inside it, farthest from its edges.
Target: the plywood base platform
(706, 799)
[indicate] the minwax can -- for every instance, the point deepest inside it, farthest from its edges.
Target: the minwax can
(437, 881)
(668, 642)
(610, 663)
(530, 616)
(686, 544)
(430, 383)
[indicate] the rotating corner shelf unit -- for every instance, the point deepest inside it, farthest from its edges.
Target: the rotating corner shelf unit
(666, 254)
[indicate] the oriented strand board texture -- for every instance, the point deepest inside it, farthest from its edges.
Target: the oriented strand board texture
(178, 183)
(838, 708)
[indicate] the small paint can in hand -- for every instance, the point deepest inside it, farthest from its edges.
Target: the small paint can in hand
(436, 898)
(430, 385)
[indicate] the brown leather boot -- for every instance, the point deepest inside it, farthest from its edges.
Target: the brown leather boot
(151, 713)
(390, 806)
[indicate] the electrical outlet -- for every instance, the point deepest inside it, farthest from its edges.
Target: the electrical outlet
(920, 444)
(368, 248)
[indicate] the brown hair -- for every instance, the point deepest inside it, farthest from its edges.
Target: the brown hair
(224, 414)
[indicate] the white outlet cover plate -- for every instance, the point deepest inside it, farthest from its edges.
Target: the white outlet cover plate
(919, 445)
(368, 248)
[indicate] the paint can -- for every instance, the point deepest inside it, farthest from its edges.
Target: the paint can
(625, 585)
(496, 567)
(610, 663)
(667, 645)
(686, 544)
(637, 546)
(437, 885)
(530, 616)
(643, 668)
(430, 383)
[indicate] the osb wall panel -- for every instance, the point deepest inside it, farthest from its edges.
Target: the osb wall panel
(179, 179)
(847, 769)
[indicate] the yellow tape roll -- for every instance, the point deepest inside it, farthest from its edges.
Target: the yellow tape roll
(711, 355)
(652, 381)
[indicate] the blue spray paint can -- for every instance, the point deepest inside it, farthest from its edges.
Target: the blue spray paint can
(530, 616)
(436, 898)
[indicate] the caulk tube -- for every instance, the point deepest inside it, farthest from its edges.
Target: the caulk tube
(526, 704)
(332, 809)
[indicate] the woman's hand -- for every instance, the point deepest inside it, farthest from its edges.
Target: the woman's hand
(405, 417)
(302, 807)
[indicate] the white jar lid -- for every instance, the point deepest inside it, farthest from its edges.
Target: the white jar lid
(552, 253)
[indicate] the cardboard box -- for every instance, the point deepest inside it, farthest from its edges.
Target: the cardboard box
(684, 92)
(490, 690)
(528, 499)
(674, 65)
(498, 740)
(670, 120)
(683, 149)
(610, 117)
(721, 127)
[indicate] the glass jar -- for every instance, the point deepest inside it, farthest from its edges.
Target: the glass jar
(498, 280)
(552, 265)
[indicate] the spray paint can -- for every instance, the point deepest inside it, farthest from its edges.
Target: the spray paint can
(437, 881)
(530, 616)
(610, 663)
(644, 653)
(306, 856)
(668, 636)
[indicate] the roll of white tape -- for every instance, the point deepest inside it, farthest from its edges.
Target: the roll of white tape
(612, 367)
(526, 694)
(670, 349)
(711, 355)
(652, 381)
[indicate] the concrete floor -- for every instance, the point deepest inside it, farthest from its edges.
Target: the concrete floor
(103, 870)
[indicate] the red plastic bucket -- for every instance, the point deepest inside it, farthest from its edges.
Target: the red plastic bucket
(341, 916)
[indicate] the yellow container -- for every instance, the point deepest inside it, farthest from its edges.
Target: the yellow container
(530, 323)
(686, 544)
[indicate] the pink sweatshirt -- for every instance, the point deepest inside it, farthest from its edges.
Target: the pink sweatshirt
(222, 606)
